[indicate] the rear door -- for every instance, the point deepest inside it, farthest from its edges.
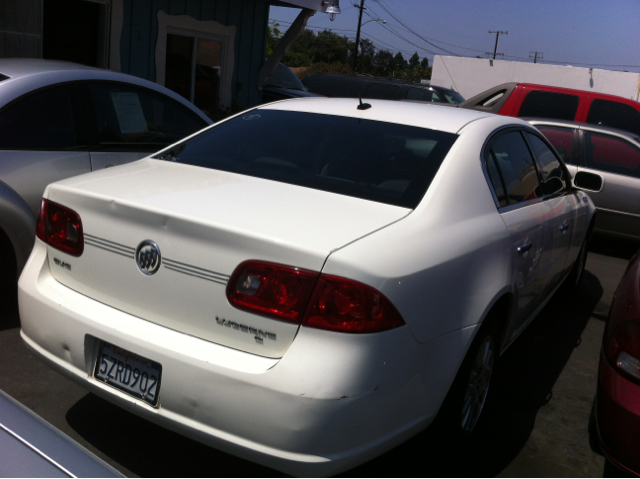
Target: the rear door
(42, 140)
(132, 122)
(516, 184)
(562, 206)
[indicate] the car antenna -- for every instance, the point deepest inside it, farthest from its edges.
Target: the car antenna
(363, 106)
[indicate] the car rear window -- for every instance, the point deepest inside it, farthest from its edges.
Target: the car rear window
(372, 160)
(546, 104)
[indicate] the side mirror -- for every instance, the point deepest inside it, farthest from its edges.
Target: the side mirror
(549, 187)
(588, 181)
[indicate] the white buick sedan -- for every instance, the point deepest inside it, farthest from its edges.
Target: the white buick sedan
(309, 283)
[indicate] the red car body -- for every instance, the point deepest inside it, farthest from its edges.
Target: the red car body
(617, 406)
(542, 101)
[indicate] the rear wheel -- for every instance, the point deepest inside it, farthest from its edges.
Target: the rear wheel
(478, 382)
(468, 395)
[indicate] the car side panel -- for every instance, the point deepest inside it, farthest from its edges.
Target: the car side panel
(530, 246)
(618, 203)
(513, 103)
(19, 224)
(29, 172)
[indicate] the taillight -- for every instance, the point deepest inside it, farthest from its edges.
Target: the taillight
(622, 349)
(341, 304)
(273, 290)
(60, 227)
(337, 304)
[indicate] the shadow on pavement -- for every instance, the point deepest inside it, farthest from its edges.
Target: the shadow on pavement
(612, 246)
(528, 372)
(148, 450)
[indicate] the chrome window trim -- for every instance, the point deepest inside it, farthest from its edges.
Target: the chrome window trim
(483, 164)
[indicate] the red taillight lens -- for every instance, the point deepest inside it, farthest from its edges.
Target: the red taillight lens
(273, 290)
(283, 292)
(341, 304)
(622, 349)
(60, 227)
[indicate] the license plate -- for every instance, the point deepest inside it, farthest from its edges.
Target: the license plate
(129, 372)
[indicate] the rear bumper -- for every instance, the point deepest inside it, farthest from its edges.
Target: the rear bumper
(331, 402)
(618, 418)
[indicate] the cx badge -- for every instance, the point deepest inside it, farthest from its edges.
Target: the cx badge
(148, 257)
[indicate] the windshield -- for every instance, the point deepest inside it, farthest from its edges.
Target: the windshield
(283, 77)
(373, 160)
(452, 96)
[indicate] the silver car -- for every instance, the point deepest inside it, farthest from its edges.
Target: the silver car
(614, 155)
(61, 119)
(31, 447)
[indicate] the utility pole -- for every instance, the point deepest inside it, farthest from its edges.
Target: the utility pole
(535, 56)
(497, 32)
(355, 53)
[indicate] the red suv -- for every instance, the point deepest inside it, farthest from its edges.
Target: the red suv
(528, 100)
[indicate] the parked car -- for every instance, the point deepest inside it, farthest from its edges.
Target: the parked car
(283, 85)
(31, 447)
(615, 422)
(613, 154)
(60, 119)
(541, 101)
(360, 86)
(245, 287)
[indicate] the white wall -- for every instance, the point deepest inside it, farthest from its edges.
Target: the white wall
(470, 76)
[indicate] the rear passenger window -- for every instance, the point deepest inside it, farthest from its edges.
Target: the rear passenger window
(612, 154)
(44, 120)
(137, 119)
(423, 94)
(561, 139)
(382, 91)
(496, 180)
(549, 166)
(615, 115)
(515, 166)
(545, 104)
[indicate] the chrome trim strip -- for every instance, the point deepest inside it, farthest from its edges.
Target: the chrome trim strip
(177, 266)
(195, 271)
(36, 450)
(111, 246)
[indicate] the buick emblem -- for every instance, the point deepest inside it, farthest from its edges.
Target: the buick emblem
(148, 257)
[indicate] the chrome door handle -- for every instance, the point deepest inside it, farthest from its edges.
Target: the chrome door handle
(564, 227)
(524, 248)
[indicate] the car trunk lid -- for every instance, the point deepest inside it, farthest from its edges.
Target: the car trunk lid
(205, 223)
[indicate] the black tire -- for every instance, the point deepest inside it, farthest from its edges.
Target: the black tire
(594, 442)
(467, 397)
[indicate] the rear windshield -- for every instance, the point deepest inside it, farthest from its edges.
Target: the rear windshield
(372, 160)
(452, 96)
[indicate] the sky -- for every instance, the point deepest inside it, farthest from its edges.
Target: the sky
(584, 33)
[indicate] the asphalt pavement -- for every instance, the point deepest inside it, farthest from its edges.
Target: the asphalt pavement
(534, 425)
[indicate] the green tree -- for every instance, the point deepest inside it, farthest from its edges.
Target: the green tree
(414, 61)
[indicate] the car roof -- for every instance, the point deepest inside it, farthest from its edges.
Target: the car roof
(582, 126)
(419, 114)
(21, 67)
(395, 81)
(30, 74)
